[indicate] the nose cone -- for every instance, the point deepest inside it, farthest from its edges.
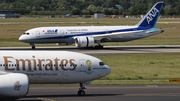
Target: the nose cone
(21, 38)
(105, 71)
(108, 70)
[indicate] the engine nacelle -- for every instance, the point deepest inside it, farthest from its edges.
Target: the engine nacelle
(84, 41)
(14, 85)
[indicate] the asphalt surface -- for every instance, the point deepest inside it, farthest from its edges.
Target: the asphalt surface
(106, 49)
(104, 93)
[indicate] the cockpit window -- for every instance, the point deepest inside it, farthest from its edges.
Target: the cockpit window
(25, 33)
(101, 63)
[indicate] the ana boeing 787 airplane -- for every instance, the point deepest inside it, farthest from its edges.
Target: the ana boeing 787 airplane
(18, 69)
(87, 36)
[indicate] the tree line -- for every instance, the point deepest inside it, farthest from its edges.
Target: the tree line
(88, 7)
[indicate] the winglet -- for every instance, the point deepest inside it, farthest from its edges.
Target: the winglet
(150, 19)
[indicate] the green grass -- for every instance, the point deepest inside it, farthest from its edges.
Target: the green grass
(132, 82)
(141, 68)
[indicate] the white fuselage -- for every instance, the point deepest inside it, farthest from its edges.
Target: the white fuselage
(66, 34)
(53, 67)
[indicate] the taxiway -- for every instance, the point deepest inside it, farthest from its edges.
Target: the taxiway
(107, 49)
(104, 93)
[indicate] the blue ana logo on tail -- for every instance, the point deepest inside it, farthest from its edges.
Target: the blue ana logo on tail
(152, 14)
(150, 19)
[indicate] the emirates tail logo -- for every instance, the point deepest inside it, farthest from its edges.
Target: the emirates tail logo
(17, 86)
(152, 14)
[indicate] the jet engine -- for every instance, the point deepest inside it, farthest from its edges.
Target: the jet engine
(14, 85)
(84, 41)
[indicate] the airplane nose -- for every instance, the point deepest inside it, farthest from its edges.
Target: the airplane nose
(108, 70)
(20, 38)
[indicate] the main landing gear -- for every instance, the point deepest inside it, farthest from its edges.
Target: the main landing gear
(81, 92)
(98, 46)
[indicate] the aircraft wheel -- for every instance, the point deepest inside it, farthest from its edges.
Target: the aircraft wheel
(81, 92)
(33, 47)
(99, 47)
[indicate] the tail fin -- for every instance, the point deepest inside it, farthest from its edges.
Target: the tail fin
(150, 19)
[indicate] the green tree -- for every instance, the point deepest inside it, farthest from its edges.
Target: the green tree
(132, 7)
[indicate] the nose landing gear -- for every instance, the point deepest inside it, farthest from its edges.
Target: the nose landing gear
(32, 46)
(81, 92)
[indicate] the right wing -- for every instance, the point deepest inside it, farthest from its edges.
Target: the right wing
(116, 34)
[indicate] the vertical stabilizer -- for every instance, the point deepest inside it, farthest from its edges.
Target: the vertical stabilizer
(150, 19)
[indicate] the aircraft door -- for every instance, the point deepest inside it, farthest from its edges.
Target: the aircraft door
(37, 33)
(83, 65)
(62, 33)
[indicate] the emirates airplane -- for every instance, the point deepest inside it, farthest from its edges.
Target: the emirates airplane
(87, 36)
(18, 69)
